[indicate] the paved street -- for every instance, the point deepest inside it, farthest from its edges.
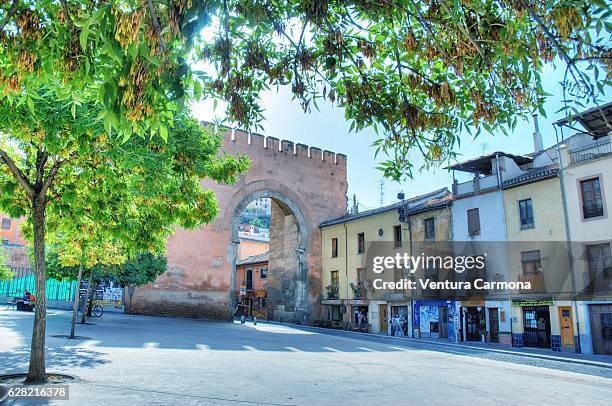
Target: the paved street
(164, 361)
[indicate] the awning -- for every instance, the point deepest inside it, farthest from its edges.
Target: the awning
(592, 120)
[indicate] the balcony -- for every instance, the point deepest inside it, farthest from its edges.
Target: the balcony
(332, 292)
(598, 282)
(590, 152)
(359, 291)
(475, 185)
(536, 279)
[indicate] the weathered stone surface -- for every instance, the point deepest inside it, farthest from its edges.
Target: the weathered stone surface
(307, 187)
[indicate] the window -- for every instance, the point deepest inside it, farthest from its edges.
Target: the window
(263, 273)
(361, 275)
(264, 302)
(531, 261)
(6, 223)
(599, 257)
(334, 247)
(592, 202)
(360, 243)
(397, 236)
(249, 279)
(333, 289)
(431, 269)
(526, 213)
(430, 228)
(473, 218)
(335, 278)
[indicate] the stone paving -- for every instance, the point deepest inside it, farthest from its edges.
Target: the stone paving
(133, 360)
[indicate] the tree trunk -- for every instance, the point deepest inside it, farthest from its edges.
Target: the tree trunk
(90, 300)
(75, 304)
(36, 371)
(86, 301)
(131, 290)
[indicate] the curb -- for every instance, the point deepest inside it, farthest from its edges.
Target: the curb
(451, 345)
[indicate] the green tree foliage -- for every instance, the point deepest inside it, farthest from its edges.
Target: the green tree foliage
(140, 270)
(5, 272)
(61, 170)
(419, 72)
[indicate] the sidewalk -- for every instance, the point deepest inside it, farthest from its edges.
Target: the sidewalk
(602, 361)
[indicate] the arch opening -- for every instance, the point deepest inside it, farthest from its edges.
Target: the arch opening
(267, 254)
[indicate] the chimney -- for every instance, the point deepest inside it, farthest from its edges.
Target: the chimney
(537, 137)
(355, 208)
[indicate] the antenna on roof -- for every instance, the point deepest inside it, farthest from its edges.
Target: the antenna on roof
(382, 191)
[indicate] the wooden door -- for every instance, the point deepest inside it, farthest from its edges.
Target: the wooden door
(601, 328)
(382, 318)
(443, 317)
(494, 324)
(567, 326)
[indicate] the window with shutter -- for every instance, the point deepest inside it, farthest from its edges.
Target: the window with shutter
(430, 229)
(473, 218)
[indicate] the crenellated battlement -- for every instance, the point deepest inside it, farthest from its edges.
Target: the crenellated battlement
(244, 141)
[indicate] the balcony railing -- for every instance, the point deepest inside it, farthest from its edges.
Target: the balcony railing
(333, 292)
(599, 281)
(359, 291)
(536, 279)
(596, 150)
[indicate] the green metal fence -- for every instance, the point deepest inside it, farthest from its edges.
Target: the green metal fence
(24, 280)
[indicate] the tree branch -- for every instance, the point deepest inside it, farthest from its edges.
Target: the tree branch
(41, 161)
(568, 60)
(156, 25)
(68, 19)
(54, 169)
(23, 181)
(10, 13)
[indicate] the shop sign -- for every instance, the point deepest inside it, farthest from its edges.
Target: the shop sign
(546, 301)
(472, 303)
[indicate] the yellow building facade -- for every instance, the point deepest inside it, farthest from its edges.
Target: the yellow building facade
(538, 253)
(348, 244)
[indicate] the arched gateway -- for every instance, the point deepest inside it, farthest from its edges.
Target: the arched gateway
(306, 186)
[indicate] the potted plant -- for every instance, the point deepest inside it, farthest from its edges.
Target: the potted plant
(332, 291)
(483, 330)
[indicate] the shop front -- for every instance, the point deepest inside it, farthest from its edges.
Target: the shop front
(474, 320)
(498, 321)
(531, 321)
(435, 319)
(600, 317)
(334, 310)
(399, 319)
(377, 317)
(359, 315)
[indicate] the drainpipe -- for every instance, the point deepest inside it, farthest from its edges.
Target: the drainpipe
(410, 246)
(346, 265)
(568, 238)
(452, 239)
(507, 243)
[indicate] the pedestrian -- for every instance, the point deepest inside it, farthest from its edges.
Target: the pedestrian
(398, 326)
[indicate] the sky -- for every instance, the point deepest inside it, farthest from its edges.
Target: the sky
(327, 129)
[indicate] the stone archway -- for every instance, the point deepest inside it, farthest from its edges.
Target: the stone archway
(289, 237)
(304, 182)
